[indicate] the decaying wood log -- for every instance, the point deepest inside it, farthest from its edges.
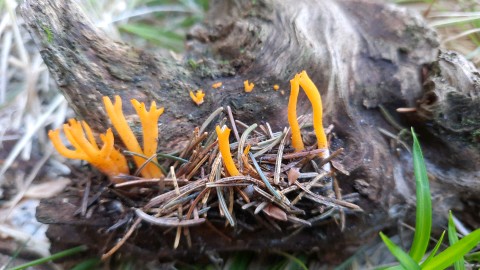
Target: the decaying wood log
(361, 55)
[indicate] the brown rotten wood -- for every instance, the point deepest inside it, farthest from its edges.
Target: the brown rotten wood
(361, 55)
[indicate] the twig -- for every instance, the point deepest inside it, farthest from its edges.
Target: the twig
(122, 241)
(338, 195)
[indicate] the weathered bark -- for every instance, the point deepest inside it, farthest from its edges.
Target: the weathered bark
(360, 55)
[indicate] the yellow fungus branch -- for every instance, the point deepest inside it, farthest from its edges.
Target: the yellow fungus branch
(149, 121)
(197, 97)
(224, 145)
(248, 86)
(314, 96)
(297, 142)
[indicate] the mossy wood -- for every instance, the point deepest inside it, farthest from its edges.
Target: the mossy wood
(361, 55)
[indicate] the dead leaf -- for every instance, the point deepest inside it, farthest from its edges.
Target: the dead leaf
(339, 166)
(293, 175)
(275, 212)
(47, 189)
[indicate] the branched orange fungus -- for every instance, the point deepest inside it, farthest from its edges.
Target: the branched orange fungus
(224, 145)
(107, 159)
(149, 121)
(248, 86)
(197, 97)
(313, 95)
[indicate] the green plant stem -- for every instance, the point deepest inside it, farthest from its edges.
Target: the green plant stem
(61, 254)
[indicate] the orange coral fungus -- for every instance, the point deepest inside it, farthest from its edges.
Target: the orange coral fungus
(224, 145)
(150, 132)
(197, 97)
(276, 87)
(313, 95)
(217, 85)
(248, 86)
(107, 159)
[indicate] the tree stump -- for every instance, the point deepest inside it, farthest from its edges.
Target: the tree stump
(364, 57)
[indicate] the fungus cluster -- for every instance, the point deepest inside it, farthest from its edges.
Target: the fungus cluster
(108, 159)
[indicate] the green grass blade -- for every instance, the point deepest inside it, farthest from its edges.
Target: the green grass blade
(473, 257)
(423, 222)
(403, 258)
(452, 239)
(435, 249)
(298, 261)
(55, 256)
(89, 264)
(454, 252)
(165, 38)
(241, 260)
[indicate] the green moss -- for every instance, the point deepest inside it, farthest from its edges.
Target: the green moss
(48, 32)
(193, 64)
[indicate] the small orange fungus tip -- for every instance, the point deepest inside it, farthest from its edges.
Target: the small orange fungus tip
(107, 159)
(247, 149)
(224, 146)
(248, 86)
(197, 97)
(276, 87)
(217, 85)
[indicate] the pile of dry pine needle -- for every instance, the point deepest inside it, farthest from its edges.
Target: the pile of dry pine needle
(280, 188)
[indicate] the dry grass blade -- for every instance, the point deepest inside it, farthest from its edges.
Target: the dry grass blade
(180, 208)
(278, 162)
(241, 144)
(167, 222)
(29, 134)
(264, 179)
(210, 119)
(28, 181)
(232, 122)
(294, 155)
(308, 186)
